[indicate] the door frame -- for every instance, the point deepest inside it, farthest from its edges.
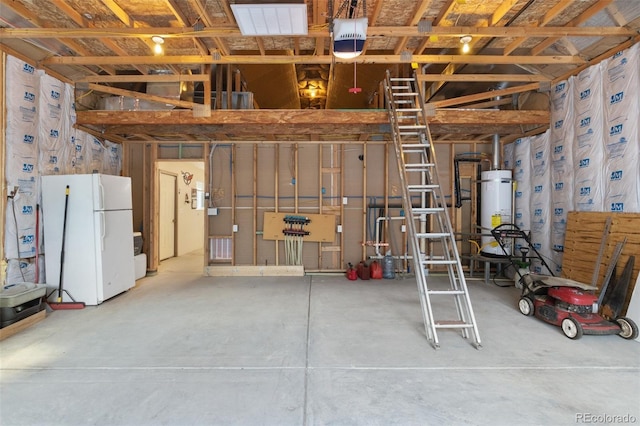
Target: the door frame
(175, 210)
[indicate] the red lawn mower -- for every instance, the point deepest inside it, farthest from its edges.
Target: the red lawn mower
(569, 304)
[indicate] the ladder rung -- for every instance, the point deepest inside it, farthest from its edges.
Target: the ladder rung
(438, 262)
(401, 79)
(446, 292)
(452, 324)
(414, 145)
(433, 235)
(419, 169)
(421, 188)
(411, 126)
(404, 94)
(409, 110)
(418, 165)
(427, 210)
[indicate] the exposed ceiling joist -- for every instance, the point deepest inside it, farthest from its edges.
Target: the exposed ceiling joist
(372, 32)
(518, 45)
(310, 59)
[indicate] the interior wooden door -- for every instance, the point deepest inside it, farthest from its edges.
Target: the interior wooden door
(167, 215)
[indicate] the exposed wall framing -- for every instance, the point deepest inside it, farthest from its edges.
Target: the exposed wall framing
(245, 180)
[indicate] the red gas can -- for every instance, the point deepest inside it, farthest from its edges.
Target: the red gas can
(352, 274)
(363, 270)
(376, 270)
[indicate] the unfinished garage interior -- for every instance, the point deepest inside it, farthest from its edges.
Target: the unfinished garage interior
(320, 212)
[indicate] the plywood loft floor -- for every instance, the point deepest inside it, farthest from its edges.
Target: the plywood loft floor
(183, 349)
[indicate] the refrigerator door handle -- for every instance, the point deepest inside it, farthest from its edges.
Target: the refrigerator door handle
(103, 230)
(101, 196)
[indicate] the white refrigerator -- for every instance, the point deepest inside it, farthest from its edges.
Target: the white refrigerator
(98, 251)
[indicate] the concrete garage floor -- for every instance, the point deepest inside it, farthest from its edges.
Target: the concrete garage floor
(182, 349)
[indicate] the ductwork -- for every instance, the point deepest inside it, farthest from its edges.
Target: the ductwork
(495, 163)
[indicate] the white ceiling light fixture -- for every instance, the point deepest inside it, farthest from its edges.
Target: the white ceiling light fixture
(271, 19)
(159, 41)
(465, 40)
(349, 36)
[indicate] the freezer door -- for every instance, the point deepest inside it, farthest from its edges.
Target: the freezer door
(111, 192)
(114, 252)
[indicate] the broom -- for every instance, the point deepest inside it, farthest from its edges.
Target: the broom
(59, 304)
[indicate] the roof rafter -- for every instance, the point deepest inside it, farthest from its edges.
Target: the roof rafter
(584, 16)
(552, 13)
(184, 21)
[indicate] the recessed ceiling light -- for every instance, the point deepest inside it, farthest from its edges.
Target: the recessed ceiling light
(157, 39)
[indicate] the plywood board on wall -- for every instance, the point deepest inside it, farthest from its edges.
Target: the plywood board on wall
(322, 227)
(585, 231)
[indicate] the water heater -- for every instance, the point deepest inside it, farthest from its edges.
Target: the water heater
(495, 209)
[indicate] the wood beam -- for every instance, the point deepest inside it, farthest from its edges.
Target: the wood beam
(120, 13)
(228, 11)
(552, 13)
(183, 20)
(584, 16)
(210, 23)
(444, 11)
(486, 95)
(372, 32)
(502, 10)
(599, 58)
(491, 104)
(112, 138)
(243, 121)
(153, 78)
(309, 59)
(482, 77)
(417, 16)
(618, 17)
(140, 95)
(453, 68)
(72, 45)
(124, 17)
(320, 14)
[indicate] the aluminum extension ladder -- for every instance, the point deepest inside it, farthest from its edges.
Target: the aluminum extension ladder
(430, 234)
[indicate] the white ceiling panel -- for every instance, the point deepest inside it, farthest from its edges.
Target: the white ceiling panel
(271, 19)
